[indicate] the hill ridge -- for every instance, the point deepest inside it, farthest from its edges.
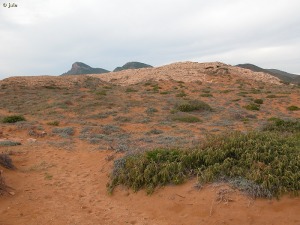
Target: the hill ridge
(79, 68)
(282, 75)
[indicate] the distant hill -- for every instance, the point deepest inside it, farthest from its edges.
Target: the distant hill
(81, 68)
(132, 65)
(284, 76)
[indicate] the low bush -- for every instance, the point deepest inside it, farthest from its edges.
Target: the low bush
(101, 92)
(64, 131)
(252, 106)
(164, 92)
(123, 119)
(263, 163)
(128, 90)
(6, 161)
(151, 110)
(154, 131)
(53, 123)
(181, 94)
(293, 108)
(206, 95)
(272, 96)
(192, 105)
(258, 101)
(280, 125)
(9, 143)
(13, 119)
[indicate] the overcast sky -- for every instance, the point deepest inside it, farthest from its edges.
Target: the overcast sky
(46, 37)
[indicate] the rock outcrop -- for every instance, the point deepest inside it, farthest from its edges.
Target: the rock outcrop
(79, 68)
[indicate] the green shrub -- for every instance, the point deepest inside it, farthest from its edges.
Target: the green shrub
(186, 118)
(155, 88)
(272, 96)
(206, 91)
(53, 123)
(192, 105)
(155, 131)
(6, 161)
(264, 164)
(64, 131)
(13, 119)
(280, 125)
(151, 110)
(9, 143)
(293, 108)
(226, 91)
(252, 106)
(164, 92)
(130, 90)
(258, 101)
(181, 94)
(206, 95)
(123, 119)
(101, 92)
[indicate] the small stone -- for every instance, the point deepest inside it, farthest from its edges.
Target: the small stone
(11, 193)
(31, 140)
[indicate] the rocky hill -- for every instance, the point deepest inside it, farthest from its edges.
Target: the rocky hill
(213, 72)
(82, 68)
(284, 76)
(132, 65)
(186, 72)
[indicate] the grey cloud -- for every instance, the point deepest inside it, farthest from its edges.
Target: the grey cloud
(47, 37)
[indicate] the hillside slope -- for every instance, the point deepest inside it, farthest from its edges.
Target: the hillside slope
(81, 68)
(284, 76)
(132, 65)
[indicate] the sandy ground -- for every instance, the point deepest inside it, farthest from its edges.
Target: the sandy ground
(56, 186)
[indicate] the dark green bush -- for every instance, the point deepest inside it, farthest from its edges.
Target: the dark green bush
(293, 108)
(101, 92)
(128, 90)
(258, 101)
(164, 92)
(252, 106)
(276, 124)
(206, 95)
(154, 131)
(181, 94)
(13, 119)
(264, 164)
(6, 161)
(192, 105)
(53, 123)
(9, 143)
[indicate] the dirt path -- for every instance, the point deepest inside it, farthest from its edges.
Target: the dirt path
(56, 186)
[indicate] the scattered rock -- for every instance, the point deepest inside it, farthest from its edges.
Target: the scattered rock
(31, 140)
